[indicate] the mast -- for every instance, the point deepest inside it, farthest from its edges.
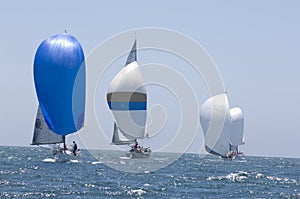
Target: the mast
(64, 140)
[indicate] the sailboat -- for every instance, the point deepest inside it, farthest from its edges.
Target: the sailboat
(127, 99)
(44, 136)
(60, 80)
(224, 137)
(237, 131)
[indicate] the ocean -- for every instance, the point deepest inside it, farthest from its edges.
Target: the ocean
(25, 173)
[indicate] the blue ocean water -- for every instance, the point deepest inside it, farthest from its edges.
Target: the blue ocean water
(23, 174)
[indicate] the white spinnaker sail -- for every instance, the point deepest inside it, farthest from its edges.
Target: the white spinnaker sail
(216, 124)
(127, 99)
(42, 134)
(237, 120)
(129, 79)
(119, 138)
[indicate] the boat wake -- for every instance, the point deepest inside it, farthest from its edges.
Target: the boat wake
(52, 160)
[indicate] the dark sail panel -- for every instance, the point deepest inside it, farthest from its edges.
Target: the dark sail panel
(132, 55)
(42, 133)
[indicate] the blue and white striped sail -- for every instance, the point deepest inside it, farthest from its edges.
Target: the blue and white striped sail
(222, 127)
(127, 99)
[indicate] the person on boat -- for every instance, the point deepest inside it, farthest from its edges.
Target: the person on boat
(55, 150)
(74, 148)
(229, 154)
(58, 149)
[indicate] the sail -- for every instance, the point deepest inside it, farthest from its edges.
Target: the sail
(237, 121)
(216, 124)
(42, 134)
(119, 138)
(60, 81)
(127, 99)
(132, 55)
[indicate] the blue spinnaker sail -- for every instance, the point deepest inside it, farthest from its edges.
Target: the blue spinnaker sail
(59, 76)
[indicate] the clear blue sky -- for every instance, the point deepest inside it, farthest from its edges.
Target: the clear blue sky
(255, 45)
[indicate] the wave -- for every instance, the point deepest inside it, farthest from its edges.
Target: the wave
(138, 192)
(242, 176)
(97, 162)
(234, 177)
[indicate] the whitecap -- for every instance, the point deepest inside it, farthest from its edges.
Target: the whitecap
(161, 159)
(122, 162)
(234, 177)
(89, 185)
(11, 157)
(74, 161)
(282, 180)
(49, 160)
(124, 158)
(259, 175)
(210, 178)
(98, 162)
(4, 182)
(137, 191)
(240, 176)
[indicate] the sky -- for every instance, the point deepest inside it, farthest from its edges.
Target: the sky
(254, 44)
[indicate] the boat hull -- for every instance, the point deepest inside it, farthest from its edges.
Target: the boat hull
(65, 156)
(137, 153)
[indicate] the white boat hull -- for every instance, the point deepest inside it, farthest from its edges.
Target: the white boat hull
(66, 156)
(136, 153)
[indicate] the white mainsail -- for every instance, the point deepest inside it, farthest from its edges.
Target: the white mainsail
(127, 99)
(42, 134)
(119, 138)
